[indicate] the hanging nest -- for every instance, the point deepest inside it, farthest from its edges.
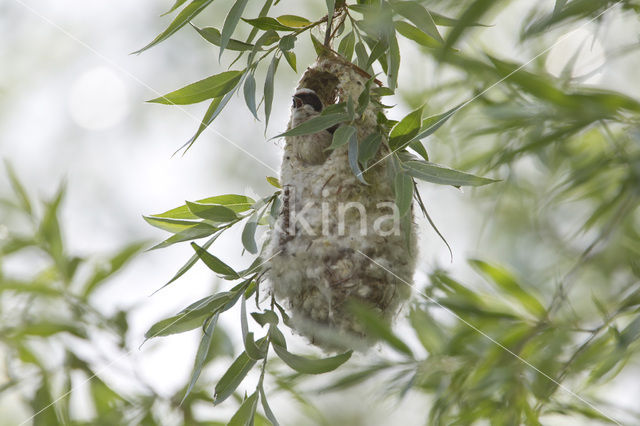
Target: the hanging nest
(336, 257)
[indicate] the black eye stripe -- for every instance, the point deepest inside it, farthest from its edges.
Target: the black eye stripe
(310, 99)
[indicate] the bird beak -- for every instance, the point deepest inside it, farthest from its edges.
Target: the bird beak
(297, 102)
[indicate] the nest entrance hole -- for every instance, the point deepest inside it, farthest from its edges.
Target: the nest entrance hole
(324, 83)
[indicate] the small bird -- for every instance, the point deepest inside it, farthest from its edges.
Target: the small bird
(310, 149)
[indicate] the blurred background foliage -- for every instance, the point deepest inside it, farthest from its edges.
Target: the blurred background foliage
(537, 319)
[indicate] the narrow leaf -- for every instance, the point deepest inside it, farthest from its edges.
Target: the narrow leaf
(341, 136)
(213, 36)
(175, 6)
(346, 46)
(250, 94)
(268, 89)
(186, 15)
(316, 124)
(201, 230)
(291, 59)
(215, 264)
(233, 377)
(265, 406)
(435, 173)
(266, 23)
(406, 129)
(230, 23)
(246, 412)
(214, 212)
(201, 355)
(420, 16)
(18, 188)
(249, 234)
(415, 34)
(293, 21)
(210, 87)
(404, 192)
(369, 148)
(377, 327)
(508, 284)
(353, 158)
(308, 365)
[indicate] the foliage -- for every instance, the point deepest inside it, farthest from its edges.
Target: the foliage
(54, 335)
(533, 335)
(508, 354)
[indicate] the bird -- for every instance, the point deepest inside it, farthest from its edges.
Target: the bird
(310, 149)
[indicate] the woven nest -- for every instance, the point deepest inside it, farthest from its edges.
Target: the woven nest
(317, 274)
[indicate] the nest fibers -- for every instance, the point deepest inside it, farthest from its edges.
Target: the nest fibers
(338, 240)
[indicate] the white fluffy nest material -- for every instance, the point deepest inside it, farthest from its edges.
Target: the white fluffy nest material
(316, 276)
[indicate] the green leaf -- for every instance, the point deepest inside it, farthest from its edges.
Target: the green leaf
(268, 89)
(214, 212)
(346, 46)
(265, 406)
(266, 23)
(215, 108)
(266, 317)
(509, 285)
(369, 148)
(213, 36)
(235, 202)
(253, 350)
(420, 149)
(291, 59)
(192, 261)
(186, 15)
(233, 377)
(431, 124)
(311, 366)
(316, 124)
(404, 192)
(287, 42)
(277, 338)
(379, 49)
(341, 136)
(191, 317)
(293, 21)
(450, 22)
(274, 182)
(249, 234)
(113, 265)
(353, 158)
(405, 130)
(201, 355)
(361, 54)
(377, 327)
(175, 6)
(210, 87)
(471, 15)
(170, 225)
(250, 94)
(429, 332)
(215, 264)
(435, 173)
(415, 34)
(363, 98)
(420, 16)
(230, 23)
(246, 412)
(201, 230)
(49, 228)
(18, 188)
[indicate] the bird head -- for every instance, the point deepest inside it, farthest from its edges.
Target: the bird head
(306, 104)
